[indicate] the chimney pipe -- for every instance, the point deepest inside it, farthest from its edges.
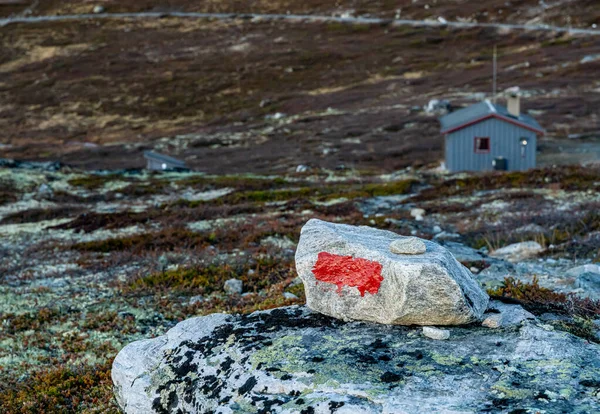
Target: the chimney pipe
(513, 101)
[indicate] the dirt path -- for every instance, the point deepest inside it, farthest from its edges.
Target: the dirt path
(304, 18)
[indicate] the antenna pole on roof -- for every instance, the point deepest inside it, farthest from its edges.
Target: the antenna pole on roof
(494, 78)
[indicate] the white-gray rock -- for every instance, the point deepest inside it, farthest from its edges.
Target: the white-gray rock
(98, 9)
(291, 360)
(408, 245)
(579, 270)
(349, 273)
(590, 283)
(289, 295)
(233, 286)
(436, 333)
(518, 251)
(417, 213)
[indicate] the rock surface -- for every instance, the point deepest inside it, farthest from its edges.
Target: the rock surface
(290, 360)
(408, 245)
(349, 273)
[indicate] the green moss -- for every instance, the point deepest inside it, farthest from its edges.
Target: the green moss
(321, 193)
(560, 41)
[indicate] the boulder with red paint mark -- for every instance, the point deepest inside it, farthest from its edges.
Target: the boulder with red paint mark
(351, 273)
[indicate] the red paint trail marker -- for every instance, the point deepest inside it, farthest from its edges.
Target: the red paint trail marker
(347, 271)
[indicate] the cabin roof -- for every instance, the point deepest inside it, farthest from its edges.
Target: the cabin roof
(484, 110)
(163, 158)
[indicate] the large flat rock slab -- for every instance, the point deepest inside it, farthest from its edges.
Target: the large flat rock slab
(363, 273)
(292, 360)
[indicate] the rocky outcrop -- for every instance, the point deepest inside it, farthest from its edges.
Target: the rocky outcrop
(362, 273)
(291, 360)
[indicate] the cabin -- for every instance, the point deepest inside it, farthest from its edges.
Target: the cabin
(161, 162)
(488, 136)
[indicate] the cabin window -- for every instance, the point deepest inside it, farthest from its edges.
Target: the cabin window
(482, 145)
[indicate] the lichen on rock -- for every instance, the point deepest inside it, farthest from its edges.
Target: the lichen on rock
(291, 360)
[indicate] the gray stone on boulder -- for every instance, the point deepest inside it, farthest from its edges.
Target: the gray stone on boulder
(408, 245)
(291, 360)
(349, 273)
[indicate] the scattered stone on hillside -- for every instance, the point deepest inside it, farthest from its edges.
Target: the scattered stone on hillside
(349, 273)
(417, 213)
(194, 300)
(289, 295)
(589, 282)
(493, 321)
(233, 287)
(518, 251)
(408, 245)
(291, 360)
(436, 333)
(512, 314)
(530, 228)
(44, 192)
(437, 107)
(98, 9)
(580, 270)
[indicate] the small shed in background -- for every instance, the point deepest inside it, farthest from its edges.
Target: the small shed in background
(161, 162)
(488, 136)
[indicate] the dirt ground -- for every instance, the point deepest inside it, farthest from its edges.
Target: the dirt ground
(265, 97)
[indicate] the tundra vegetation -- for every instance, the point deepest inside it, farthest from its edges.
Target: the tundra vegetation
(87, 268)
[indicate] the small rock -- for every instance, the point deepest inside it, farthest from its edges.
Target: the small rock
(518, 251)
(297, 281)
(408, 245)
(417, 213)
(289, 295)
(437, 229)
(590, 283)
(251, 272)
(233, 286)
(437, 106)
(580, 270)
(493, 321)
(275, 117)
(196, 299)
(511, 314)
(302, 168)
(98, 9)
(435, 333)
(44, 192)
